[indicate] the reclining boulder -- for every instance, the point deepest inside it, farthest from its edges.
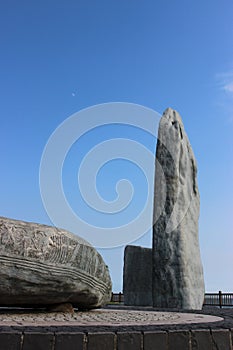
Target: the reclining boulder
(44, 265)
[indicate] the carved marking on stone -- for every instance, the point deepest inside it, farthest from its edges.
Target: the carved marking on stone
(43, 264)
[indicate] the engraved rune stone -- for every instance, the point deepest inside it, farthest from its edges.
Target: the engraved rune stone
(43, 265)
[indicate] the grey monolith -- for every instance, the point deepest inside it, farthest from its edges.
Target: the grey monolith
(137, 277)
(43, 265)
(177, 277)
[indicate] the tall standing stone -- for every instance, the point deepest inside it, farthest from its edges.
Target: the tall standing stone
(177, 275)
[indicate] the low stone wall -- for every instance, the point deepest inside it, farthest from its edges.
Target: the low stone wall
(62, 334)
(159, 340)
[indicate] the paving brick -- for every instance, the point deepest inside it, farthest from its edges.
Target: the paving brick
(38, 341)
(221, 339)
(10, 341)
(201, 339)
(69, 341)
(129, 341)
(155, 340)
(100, 341)
(178, 340)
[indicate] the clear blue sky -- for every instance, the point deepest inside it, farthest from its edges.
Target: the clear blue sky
(58, 57)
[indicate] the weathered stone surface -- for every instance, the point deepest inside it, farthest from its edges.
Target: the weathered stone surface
(201, 339)
(221, 339)
(137, 277)
(69, 341)
(178, 340)
(101, 341)
(45, 265)
(10, 340)
(177, 269)
(37, 341)
(129, 340)
(155, 340)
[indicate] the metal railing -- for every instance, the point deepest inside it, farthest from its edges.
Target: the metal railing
(117, 298)
(219, 299)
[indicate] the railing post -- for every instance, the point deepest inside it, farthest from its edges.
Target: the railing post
(112, 297)
(220, 298)
(120, 297)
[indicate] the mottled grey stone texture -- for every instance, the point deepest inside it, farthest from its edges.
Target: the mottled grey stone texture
(129, 341)
(37, 341)
(155, 340)
(44, 265)
(177, 269)
(10, 340)
(137, 277)
(201, 339)
(101, 341)
(178, 340)
(69, 341)
(221, 339)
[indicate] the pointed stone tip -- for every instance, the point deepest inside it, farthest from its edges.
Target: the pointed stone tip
(168, 110)
(173, 116)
